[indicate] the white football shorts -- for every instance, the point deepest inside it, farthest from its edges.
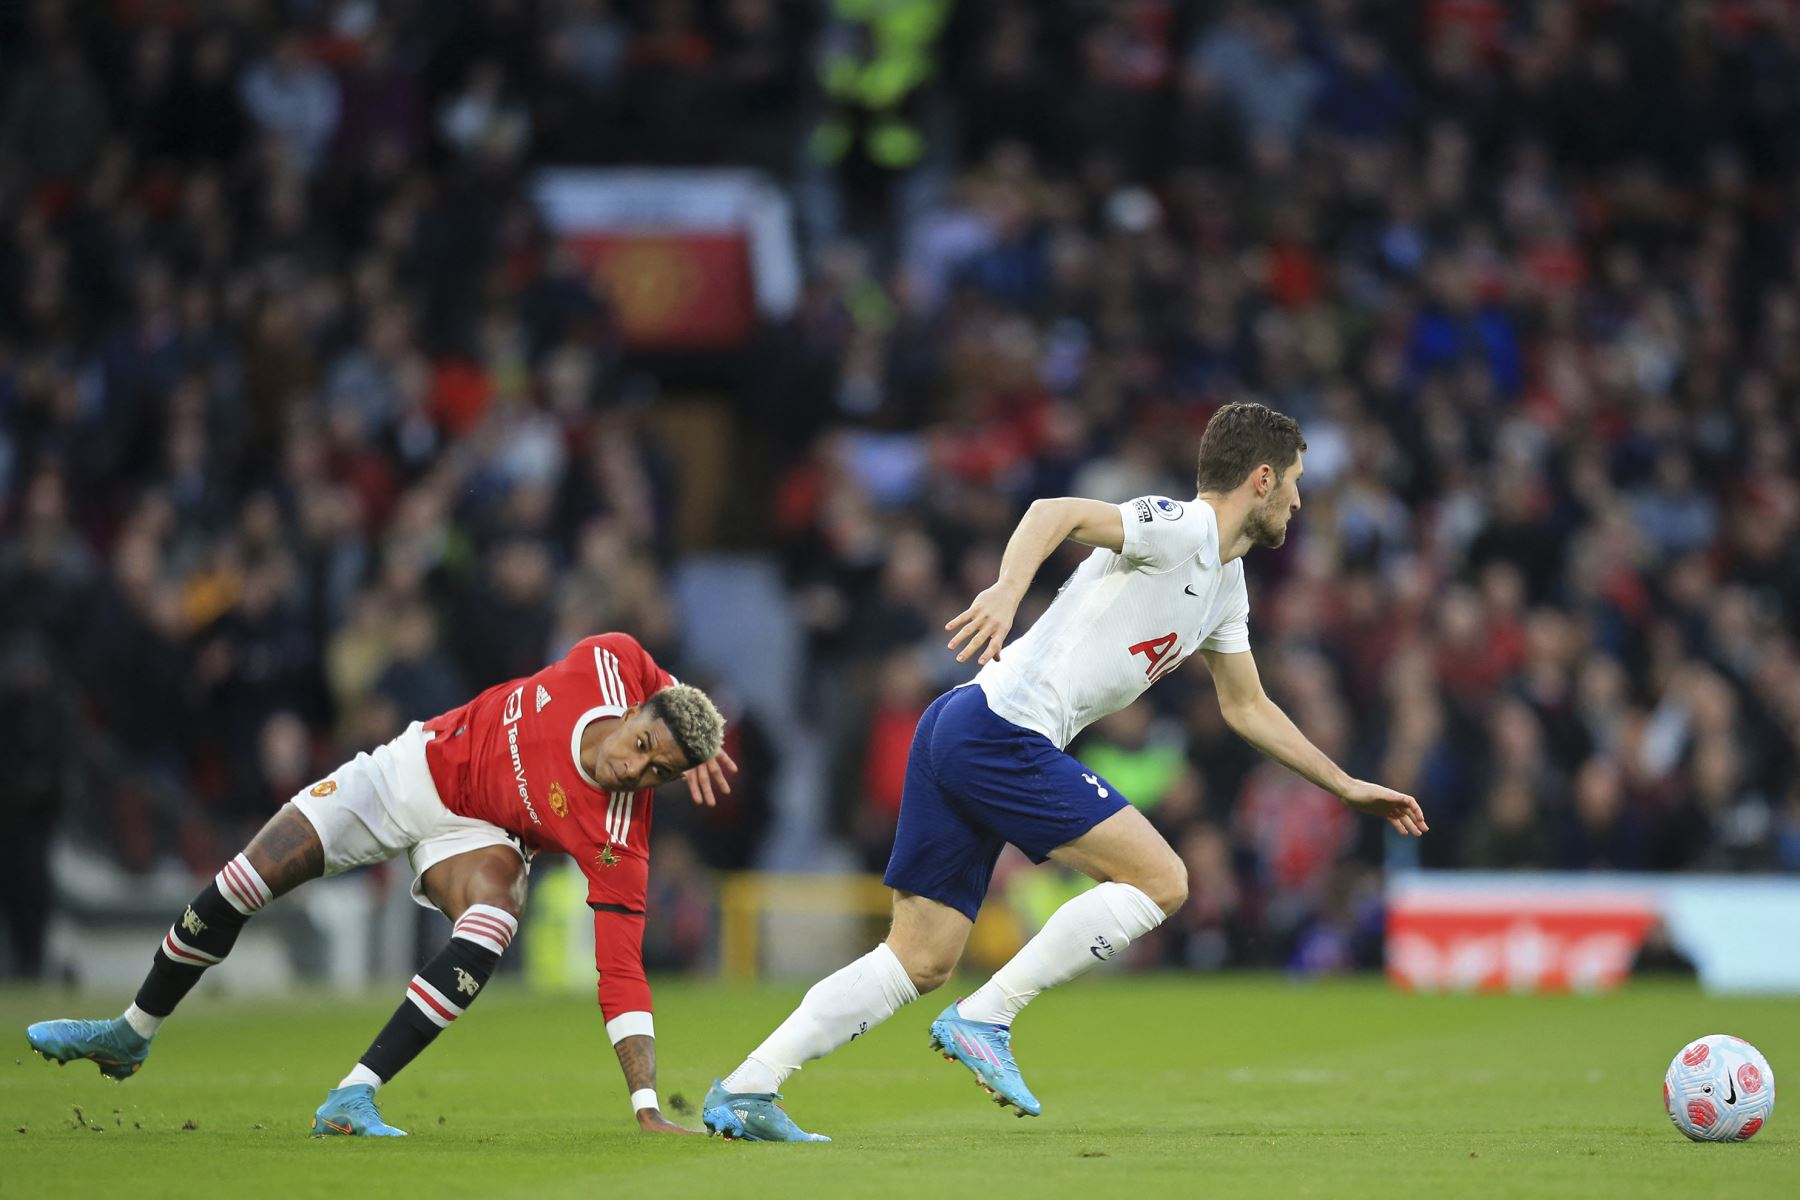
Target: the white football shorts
(384, 803)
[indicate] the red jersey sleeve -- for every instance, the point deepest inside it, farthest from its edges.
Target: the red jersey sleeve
(624, 992)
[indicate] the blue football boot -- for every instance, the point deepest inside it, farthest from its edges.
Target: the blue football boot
(351, 1112)
(751, 1117)
(113, 1045)
(987, 1051)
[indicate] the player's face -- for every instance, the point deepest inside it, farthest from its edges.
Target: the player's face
(1268, 521)
(639, 753)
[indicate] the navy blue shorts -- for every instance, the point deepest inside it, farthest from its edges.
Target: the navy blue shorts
(975, 782)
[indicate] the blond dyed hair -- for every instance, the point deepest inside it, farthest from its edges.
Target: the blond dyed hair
(692, 720)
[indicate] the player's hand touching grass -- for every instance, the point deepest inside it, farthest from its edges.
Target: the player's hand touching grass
(706, 782)
(1398, 809)
(984, 624)
(651, 1120)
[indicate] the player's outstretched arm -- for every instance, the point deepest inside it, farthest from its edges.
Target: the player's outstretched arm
(1260, 721)
(983, 625)
(624, 995)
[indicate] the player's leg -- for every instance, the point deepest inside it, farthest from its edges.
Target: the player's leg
(285, 854)
(1142, 881)
(482, 891)
(939, 872)
(1020, 787)
(921, 950)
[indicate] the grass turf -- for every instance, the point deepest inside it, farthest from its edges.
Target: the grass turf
(1224, 1086)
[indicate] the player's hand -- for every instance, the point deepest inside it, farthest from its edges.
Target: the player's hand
(707, 781)
(984, 624)
(1398, 809)
(651, 1120)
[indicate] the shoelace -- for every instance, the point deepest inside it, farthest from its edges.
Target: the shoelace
(1004, 1050)
(771, 1097)
(364, 1106)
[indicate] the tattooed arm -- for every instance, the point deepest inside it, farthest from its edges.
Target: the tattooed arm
(625, 999)
(637, 1058)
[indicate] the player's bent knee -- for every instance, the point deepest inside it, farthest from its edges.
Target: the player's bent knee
(1167, 885)
(501, 885)
(927, 970)
(930, 975)
(492, 875)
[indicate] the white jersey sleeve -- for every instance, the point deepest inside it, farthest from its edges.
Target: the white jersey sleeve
(1232, 634)
(1161, 534)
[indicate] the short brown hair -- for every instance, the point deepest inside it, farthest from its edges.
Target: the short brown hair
(1241, 437)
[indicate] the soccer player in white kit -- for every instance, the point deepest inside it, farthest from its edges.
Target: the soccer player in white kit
(987, 764)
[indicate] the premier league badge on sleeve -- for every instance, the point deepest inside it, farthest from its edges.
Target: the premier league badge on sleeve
(1167, 508)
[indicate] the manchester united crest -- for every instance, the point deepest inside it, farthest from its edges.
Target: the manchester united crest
(559, 800)
(606, 857)
(323, 788)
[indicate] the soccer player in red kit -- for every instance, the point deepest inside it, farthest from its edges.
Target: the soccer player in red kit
(563, 760)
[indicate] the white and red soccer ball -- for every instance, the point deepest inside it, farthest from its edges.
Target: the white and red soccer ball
(1719, 1089)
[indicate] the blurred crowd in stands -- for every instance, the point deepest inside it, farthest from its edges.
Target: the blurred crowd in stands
(307, 429)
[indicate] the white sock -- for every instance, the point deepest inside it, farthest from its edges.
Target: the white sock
(361, 1074)
(145, 1024)
(839, 1008)
(1091, 928)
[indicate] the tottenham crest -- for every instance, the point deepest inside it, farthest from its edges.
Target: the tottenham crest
(465, 982)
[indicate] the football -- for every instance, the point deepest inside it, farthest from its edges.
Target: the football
(1719, 1088)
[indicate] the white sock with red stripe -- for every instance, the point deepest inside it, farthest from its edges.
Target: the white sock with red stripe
(242, 887)
(838, 1009)
(1089, 929)
(488, 927)
(441, 991)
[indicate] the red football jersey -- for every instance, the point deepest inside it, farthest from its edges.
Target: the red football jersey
(511, 757)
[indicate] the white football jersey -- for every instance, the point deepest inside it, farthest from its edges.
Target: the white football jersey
(1123, 621)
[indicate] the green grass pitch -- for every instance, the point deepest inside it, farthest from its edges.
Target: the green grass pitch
(1201, 1086)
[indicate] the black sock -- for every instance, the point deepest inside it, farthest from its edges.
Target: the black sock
(203, 936)
(440, 992)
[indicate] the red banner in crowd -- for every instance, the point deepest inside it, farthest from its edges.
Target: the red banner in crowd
(672, 290)
(688, 258)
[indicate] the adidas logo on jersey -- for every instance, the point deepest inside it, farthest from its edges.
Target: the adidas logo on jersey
(543, 698)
